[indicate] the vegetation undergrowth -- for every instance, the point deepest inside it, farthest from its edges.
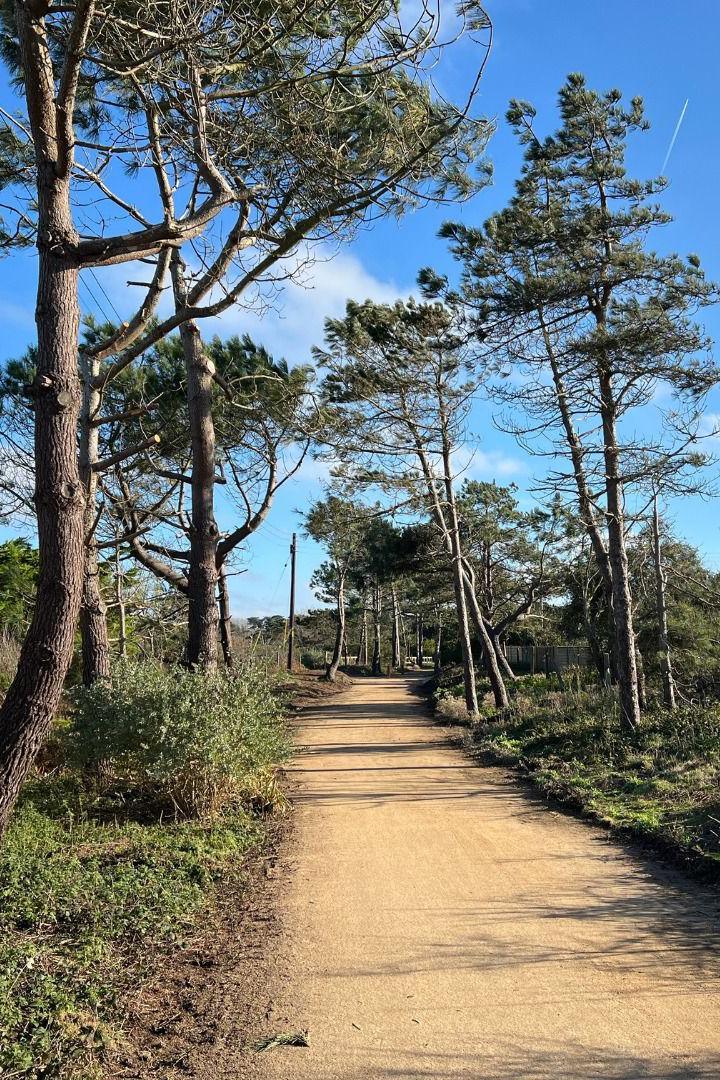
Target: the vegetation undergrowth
(660, 782)
(108, 862)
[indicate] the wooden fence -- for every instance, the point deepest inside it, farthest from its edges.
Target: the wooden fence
(542, 659)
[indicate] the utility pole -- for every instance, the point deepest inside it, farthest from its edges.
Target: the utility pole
(291, 620)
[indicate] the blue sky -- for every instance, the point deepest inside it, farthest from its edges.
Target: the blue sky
(663, 51)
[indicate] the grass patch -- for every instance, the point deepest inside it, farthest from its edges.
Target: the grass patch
(101, 875)
(661, 782)
(87, 896)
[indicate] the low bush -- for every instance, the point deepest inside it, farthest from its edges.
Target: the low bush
(201, 740)
(660, 781)
(313, 659)
(97, 880)
(452, 710)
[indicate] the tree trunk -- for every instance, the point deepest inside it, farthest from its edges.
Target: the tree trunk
(121, 609)
(93, 612)
(395, 631)
(202, 639)
(497, 682)
(614, 556)
(225, 617)
(585, 502)
(641, 684)
(438, 646)
(419, 640)
(466, 577)
(340, 631)
(361, 657)
(376, 667)
(593, 641)
(627, 672)
(501, 658)
(33, 695)
(468, 665)
(668, 679)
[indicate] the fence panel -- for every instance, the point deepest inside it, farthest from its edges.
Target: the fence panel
(539, 659)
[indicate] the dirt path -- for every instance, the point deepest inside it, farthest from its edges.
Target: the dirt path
(439, 923)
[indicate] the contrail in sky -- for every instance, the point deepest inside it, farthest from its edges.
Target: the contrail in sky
(675, 135)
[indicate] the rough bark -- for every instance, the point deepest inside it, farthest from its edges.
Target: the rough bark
(332, 668)
(376, 666)
(225, 617)
(94, 637)
(625, 658)
(668, 679)
(33, 696)
(395, 631)
(458, 569)
(202, 577)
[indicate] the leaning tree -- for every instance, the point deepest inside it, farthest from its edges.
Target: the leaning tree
(513, 555)
(399, 388)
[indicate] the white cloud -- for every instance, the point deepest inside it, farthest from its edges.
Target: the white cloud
(470, 463)
(314, 471)
(321, 290)
(710, 427)
(291, 320)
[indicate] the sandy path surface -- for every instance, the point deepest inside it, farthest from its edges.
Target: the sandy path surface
(439, 923)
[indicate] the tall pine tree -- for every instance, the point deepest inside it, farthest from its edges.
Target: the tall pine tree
(563, 285)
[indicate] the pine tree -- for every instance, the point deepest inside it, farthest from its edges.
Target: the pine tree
(562, 285)
(400, 389)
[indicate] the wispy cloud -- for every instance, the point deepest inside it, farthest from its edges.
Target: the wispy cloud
(471, 463)
(710, 427)
(291, 320)
(320, 290)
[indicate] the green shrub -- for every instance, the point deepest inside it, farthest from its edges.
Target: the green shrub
(660, 781)
(199, 739)
(314, 659)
